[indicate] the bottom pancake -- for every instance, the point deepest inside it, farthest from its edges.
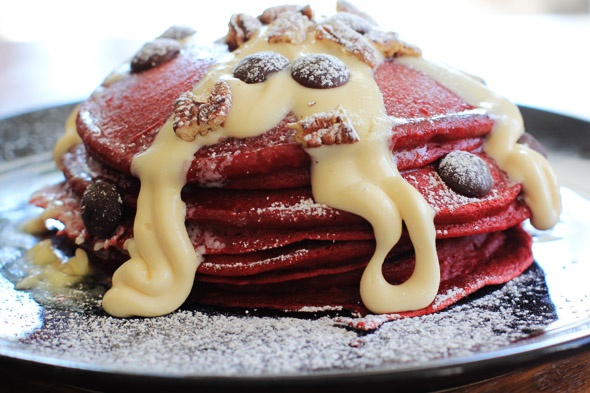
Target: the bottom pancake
(467, 264)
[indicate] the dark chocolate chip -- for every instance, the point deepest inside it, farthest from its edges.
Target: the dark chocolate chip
(102, 208)
(466, 173)
(533, 143)
(178, 32)
(258, 66)
(320, 71)
(154, 53)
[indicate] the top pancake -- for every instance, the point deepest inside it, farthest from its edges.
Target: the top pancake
(121, 119)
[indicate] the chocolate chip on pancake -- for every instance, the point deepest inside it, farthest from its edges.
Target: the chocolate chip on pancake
(466, 174)
(154, 53)
(178, 32)
(320, 71)
(258, 66)
(102, 208)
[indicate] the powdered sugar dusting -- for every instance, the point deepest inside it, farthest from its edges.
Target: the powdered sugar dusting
(320, 309)
(206, 342)
(453, 293)
(204, 237)
(443, 197)
(210, 171)
(250, 264)
(305, 205)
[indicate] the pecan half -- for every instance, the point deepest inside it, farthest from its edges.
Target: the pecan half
(390, 45)
(241, 28)
(272, 13)
(409, 50)
(199, 115)
(352, 42)
(327, 128)
(289, 28)
(355, 22)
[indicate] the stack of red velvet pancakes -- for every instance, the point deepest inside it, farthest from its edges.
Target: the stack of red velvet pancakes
(262, 239)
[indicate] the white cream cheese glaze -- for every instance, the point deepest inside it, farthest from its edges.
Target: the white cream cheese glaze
(49, 269)
(160, 273)
(68, 139)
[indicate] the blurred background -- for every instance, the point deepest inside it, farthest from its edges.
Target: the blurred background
(535, 52)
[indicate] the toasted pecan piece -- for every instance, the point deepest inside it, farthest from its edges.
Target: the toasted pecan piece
(326, 128)
(199, 115)
(352, 42)
(289, 28)
(272, 13)
(355, 22)
(241, 28)
(390, 44)
(409, 50)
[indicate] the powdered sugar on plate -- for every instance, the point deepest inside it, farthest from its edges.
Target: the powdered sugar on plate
(211, 343)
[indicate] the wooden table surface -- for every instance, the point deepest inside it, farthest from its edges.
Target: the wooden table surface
(570, 374)
(42, 74)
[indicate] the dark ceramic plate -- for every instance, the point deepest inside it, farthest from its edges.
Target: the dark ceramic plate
(64, 335)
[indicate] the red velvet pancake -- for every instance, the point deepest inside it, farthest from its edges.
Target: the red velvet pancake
(250, 210)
